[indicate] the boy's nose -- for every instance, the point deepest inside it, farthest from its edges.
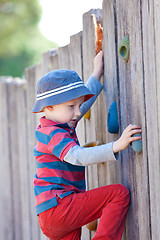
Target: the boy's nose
(78, 112)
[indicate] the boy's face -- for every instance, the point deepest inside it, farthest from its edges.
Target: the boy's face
(67, 112)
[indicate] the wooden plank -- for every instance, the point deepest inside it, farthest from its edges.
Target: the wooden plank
(45, 62)
(63, 57)
(14, 159)
(75, 50)
(49, 61)
(53, 63)
(30, 75)
(6, 206)
(156, 212)
(110, 174)
(150, 21)
(20, 98)
(134, 167)
(38, 74)
(89, 47)
(127, 164)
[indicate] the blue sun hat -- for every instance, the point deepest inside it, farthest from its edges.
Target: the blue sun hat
(59, 86)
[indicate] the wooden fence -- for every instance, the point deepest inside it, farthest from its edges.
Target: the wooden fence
(134, 85)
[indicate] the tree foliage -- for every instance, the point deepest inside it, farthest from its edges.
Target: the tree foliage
(21, 41)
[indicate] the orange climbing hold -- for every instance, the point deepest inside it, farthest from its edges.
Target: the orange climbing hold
(99, 38)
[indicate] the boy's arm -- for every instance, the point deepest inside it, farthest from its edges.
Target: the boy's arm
(93, 83)
(96, 87)
(87, 156)
(107, 152)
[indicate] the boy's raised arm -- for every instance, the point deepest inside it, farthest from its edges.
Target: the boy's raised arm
(93, 83)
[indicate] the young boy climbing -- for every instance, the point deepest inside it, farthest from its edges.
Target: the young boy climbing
(63, 205)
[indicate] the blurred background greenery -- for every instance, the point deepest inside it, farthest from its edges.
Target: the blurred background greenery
(21, 42)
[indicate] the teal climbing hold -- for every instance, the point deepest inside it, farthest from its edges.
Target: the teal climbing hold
(137, 145)
(113, 121)
(123, 48)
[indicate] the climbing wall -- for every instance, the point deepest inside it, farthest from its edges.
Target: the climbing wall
(133, 84)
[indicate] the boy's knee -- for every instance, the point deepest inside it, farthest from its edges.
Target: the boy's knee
(124, 189)
(123, 192)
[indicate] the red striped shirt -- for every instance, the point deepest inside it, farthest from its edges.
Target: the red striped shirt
(55, 177)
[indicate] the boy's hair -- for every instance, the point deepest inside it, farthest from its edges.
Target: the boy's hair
(59, 86)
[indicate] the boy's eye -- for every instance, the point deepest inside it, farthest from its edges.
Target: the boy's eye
(71, 105)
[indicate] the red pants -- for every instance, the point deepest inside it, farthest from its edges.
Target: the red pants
(109, 203)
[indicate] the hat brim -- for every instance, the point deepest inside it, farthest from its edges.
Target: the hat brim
(64, 97)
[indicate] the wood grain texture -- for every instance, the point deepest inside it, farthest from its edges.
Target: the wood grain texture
(6, 209)
(134, 85)
(30, 76)
(132, 108)
(150, 30)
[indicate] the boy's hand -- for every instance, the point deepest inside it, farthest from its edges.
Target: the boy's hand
(98, 65)
(126, 138)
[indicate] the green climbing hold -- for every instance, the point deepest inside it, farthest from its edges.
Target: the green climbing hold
(137, 145)
(123, 48)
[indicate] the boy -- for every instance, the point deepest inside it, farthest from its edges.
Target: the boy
(62, 204)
